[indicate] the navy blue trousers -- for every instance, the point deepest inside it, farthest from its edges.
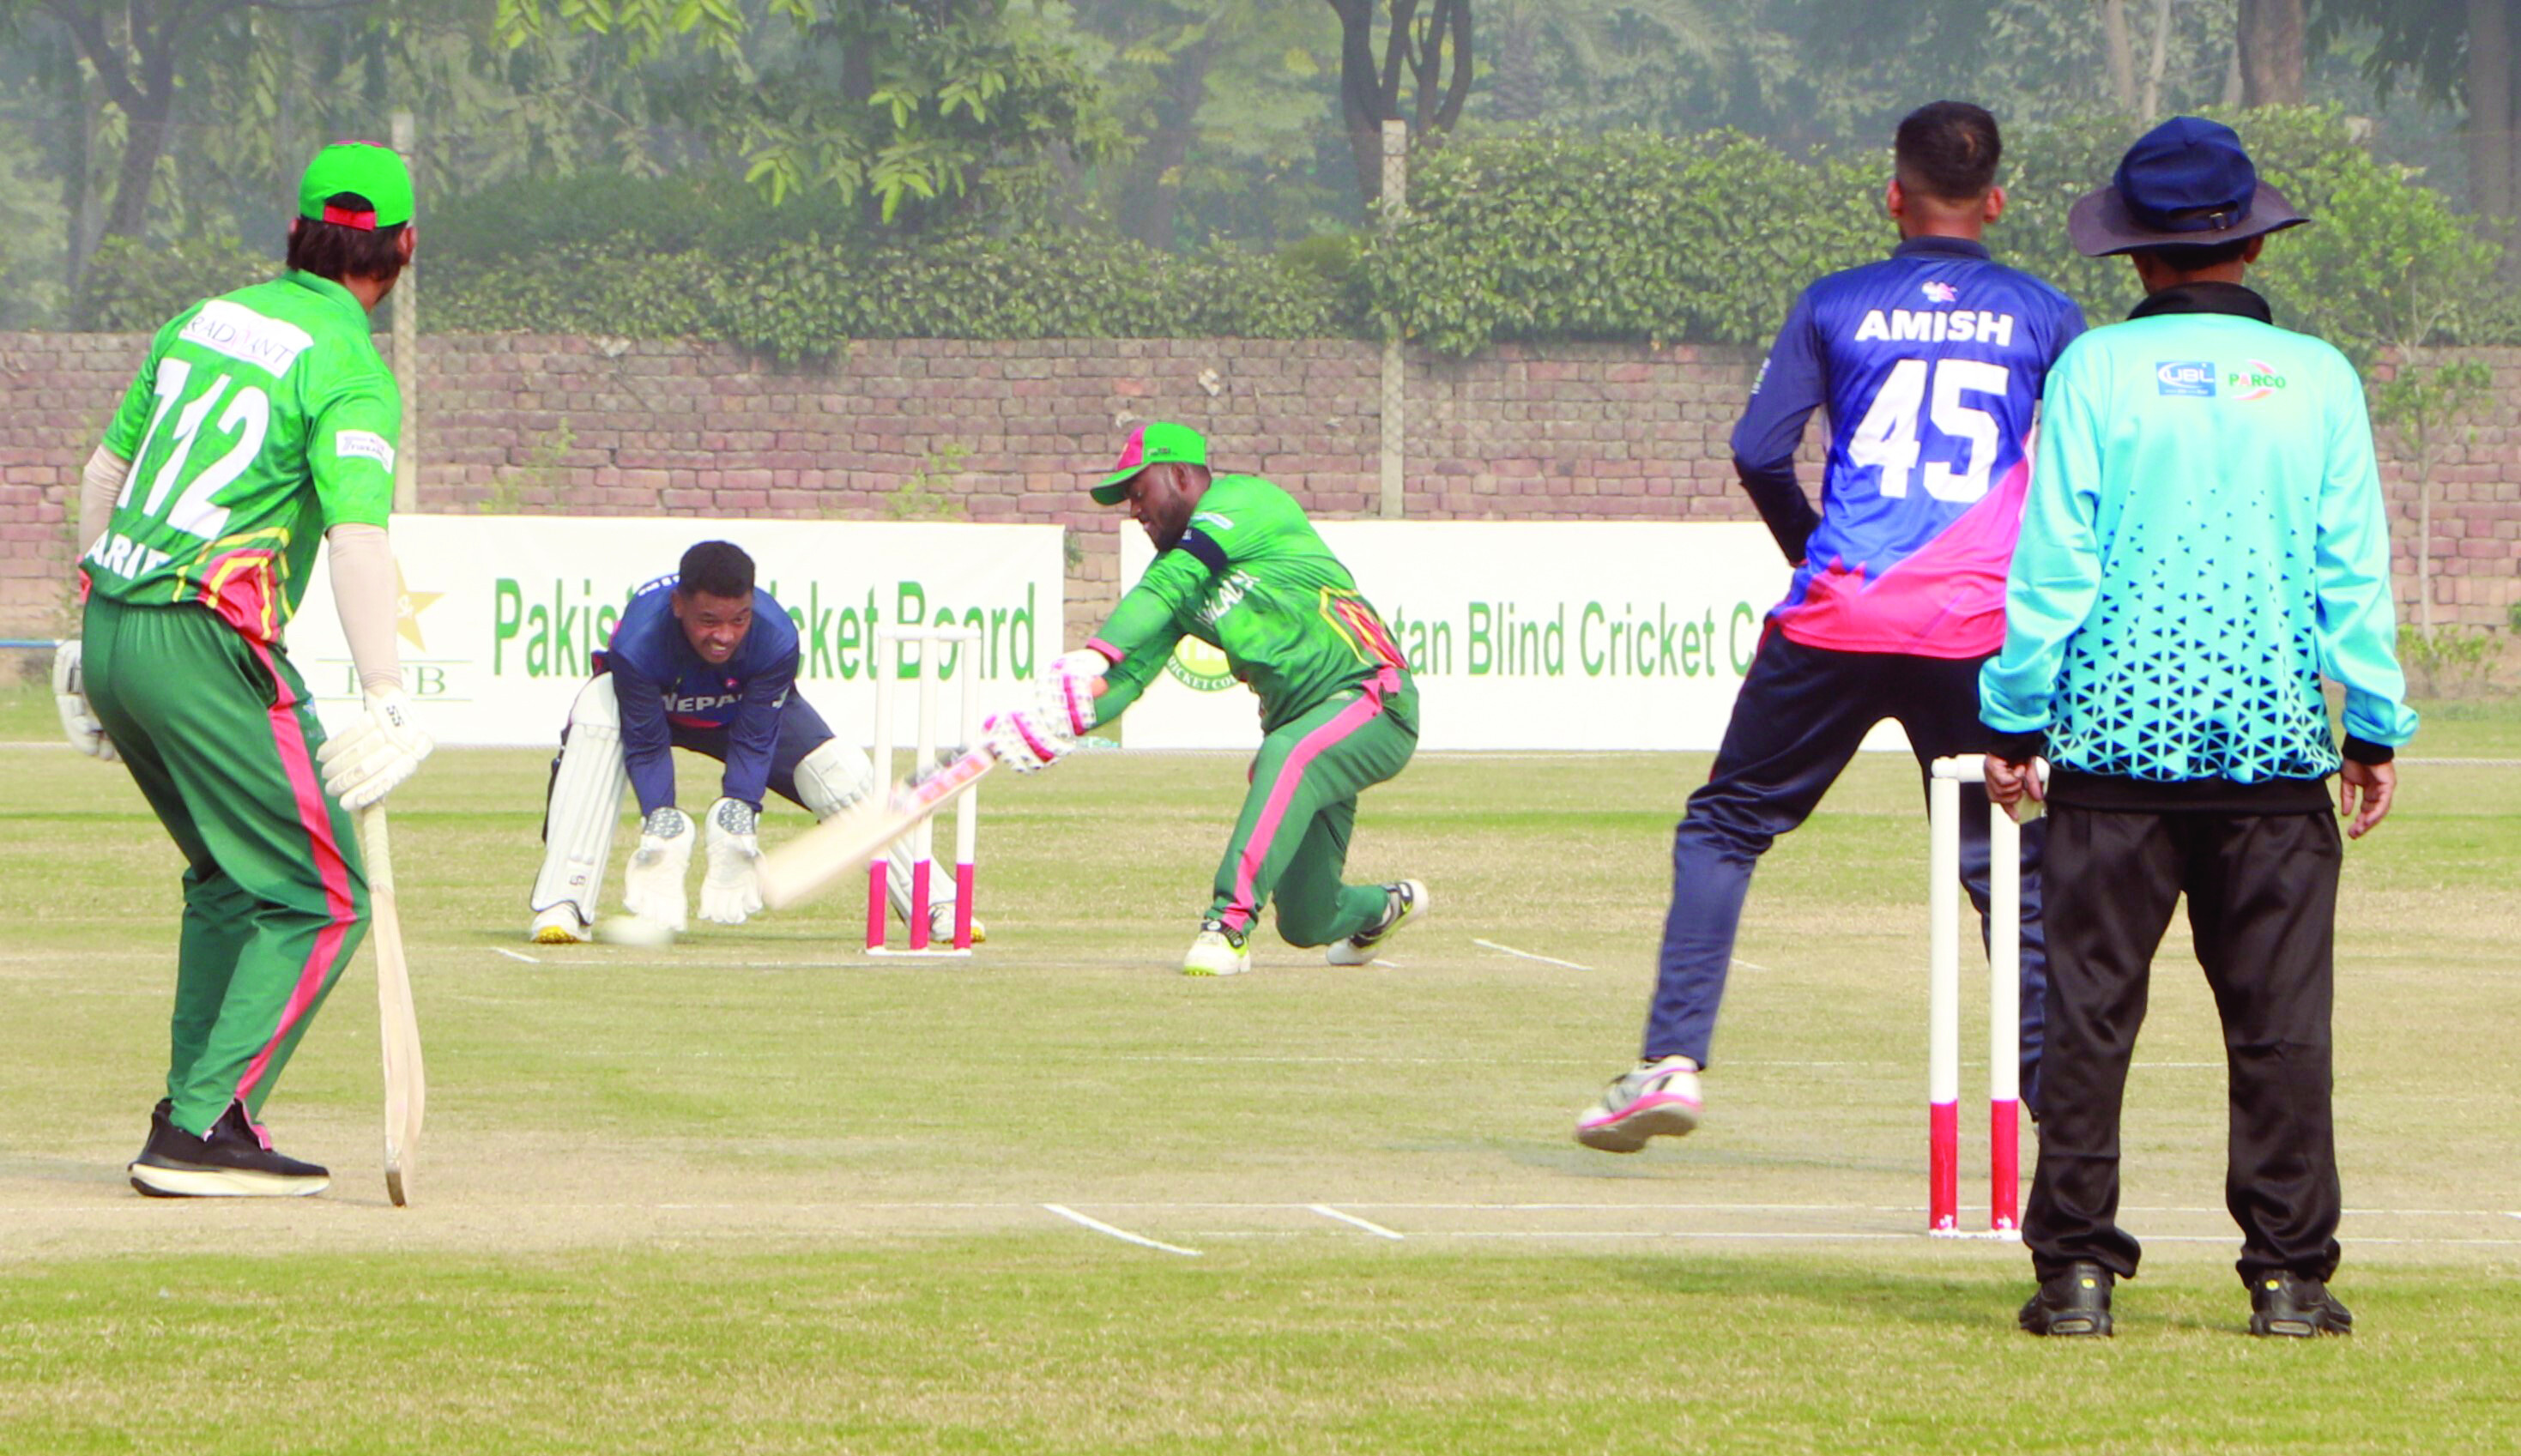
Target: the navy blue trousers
(1801, 715)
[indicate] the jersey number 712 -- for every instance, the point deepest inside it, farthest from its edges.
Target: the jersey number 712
(1887, 438)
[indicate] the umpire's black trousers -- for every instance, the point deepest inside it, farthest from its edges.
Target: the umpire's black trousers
(2262, 904)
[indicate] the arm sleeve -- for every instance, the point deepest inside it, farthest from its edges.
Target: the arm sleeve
(2056, 572)
(1788, 388)
(1143, 630)
(367, 592)
(2068, 327)
(100, 486)
(130, 424)
(754, 732)
(647, 739)
(351, 452)
(1779, 498)
(2358, 624)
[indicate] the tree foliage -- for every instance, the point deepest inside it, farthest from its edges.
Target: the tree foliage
(919, 107)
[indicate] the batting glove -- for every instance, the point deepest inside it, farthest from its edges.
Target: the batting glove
(380, 751)
(70, 695)
(1025, 740)
(1068, 690)
(730, 891)
(653, 887)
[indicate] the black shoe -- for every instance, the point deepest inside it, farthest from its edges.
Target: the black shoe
(229, 1162)
(2290, 1304)
(2075, 1302)
(158, 1123)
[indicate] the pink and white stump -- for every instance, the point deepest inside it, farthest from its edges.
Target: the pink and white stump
(916, 650)
(1943, 1007)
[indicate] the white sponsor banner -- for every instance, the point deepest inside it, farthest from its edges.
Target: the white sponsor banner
(500, 613)
(1523, 634)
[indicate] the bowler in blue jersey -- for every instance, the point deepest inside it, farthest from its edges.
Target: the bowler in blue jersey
(1930, 364)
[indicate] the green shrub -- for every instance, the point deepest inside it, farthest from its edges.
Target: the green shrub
(2448, 661)
(1709, 238)
(805, 298)
(134, 287)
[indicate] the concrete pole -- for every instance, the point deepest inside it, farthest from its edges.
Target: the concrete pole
(1395, 207)
(406, 353)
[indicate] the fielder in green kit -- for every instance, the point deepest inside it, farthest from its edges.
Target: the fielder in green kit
(1240, 567)
(262, 420)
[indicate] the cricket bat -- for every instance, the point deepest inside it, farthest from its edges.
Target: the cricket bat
(406, 1084)
(808, 863)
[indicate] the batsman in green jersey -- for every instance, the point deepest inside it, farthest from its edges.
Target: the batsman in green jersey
(262, 420)
(1239, 567)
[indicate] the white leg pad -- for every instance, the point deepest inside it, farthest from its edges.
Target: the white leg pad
(585, 803)
(835, 776)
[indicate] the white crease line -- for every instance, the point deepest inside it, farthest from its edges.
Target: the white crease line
(1529, 956)
(1123, 1235)
(516, 955)
(1818, 1237)
(1371, 1227)
(1748, 965)
(1389, 965)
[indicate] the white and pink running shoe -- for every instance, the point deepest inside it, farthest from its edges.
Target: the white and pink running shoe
(1660, 1099)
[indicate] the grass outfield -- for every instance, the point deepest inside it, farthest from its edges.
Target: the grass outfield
(760, 1194)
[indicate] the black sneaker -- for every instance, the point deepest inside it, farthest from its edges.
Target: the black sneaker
(2290, 1304)
(157, 1123)
(2075, 1302)
(231, 1162)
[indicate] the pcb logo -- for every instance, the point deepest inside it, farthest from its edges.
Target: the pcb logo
(1200, 668)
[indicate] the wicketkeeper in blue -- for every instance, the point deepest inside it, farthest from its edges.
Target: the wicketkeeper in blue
(702, 661)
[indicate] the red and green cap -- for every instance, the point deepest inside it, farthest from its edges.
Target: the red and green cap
(357, 184)
(1155, 444)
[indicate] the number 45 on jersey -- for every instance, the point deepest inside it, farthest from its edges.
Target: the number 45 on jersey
(1887, 438)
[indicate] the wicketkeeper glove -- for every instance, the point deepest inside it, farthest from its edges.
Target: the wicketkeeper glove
(730, 891)
(70, 696)
(653, 887)
(380, 751)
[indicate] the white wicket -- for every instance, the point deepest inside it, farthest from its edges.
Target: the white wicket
(1943, 1004)
(916, 649)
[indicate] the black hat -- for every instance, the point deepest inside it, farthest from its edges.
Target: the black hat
(2185, 183)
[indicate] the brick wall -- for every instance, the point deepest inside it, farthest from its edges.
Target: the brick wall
(1004, 429)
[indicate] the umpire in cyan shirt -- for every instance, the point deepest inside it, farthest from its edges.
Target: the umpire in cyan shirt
(2202, 544)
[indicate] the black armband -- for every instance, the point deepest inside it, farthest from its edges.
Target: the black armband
(1206, 552)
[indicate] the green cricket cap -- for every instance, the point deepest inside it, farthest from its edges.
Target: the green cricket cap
(346, 175)
(1155, 444)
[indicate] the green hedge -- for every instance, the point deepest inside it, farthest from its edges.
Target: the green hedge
(807, 298)
(1528, 239)
(1709, 238)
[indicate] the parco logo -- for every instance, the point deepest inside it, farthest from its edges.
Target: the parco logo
(2257, 382)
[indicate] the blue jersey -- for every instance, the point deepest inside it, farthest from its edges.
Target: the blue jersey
(662, 685)
(1930, 363)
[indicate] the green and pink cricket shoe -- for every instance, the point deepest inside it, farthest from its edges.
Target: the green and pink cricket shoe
(1659, 1099)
